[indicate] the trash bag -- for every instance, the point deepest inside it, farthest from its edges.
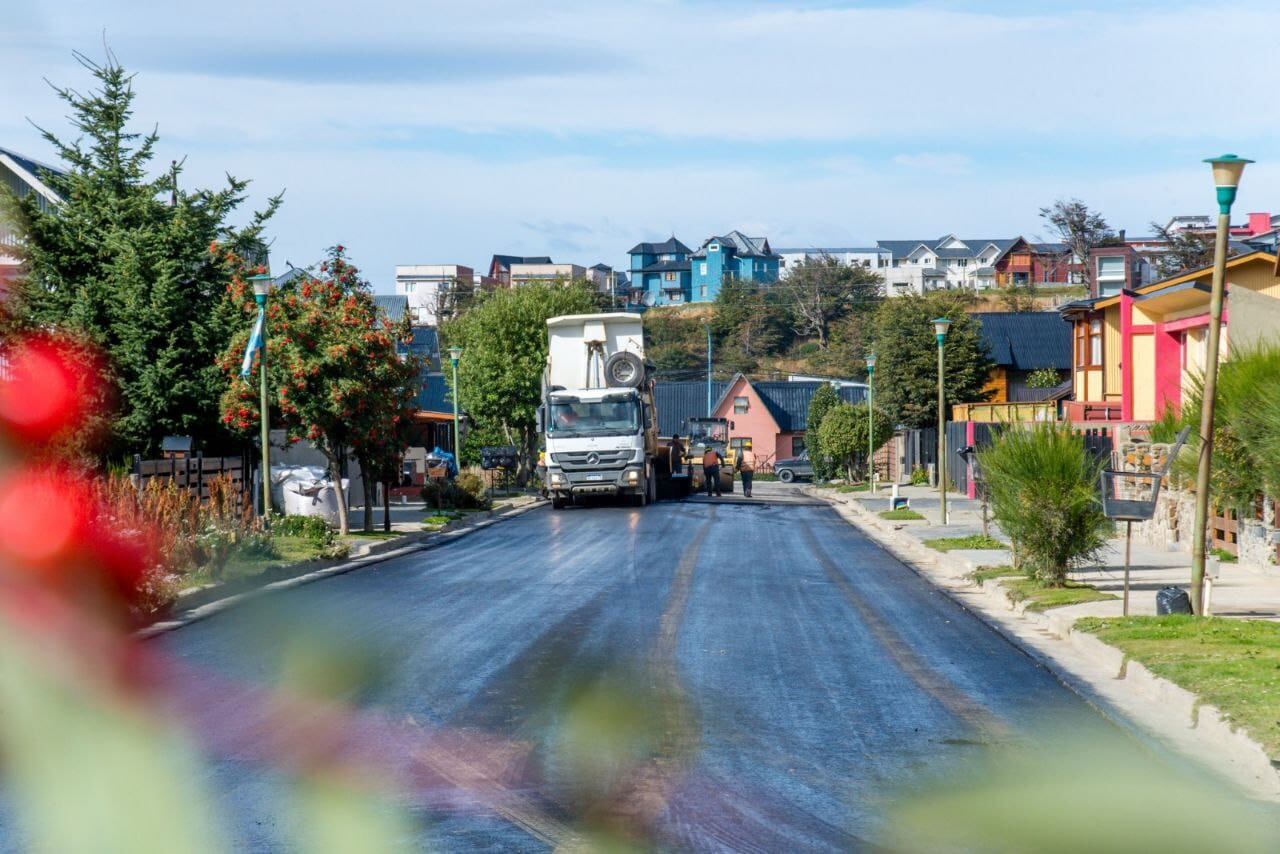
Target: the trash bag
(1172, 600)
(440, 457)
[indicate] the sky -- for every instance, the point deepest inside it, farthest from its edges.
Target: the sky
(443, 132)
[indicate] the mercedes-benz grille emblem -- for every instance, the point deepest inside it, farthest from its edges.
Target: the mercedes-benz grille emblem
(593, 459)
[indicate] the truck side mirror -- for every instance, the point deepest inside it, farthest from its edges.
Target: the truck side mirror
(542, 419)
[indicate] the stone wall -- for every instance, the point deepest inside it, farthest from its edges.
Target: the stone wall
(1174, 521)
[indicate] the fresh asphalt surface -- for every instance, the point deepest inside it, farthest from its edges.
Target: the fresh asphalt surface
(818, 674)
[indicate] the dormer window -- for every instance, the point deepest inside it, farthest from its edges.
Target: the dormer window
(713, 247)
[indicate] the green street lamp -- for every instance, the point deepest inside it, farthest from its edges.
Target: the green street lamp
(455, 353)
(261, 290)
(871, 424)
(1226, 178)
(940, 327)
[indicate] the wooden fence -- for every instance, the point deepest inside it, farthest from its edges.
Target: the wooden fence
(194, 474)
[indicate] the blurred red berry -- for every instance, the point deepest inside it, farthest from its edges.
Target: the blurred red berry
(41, 517)
(42, 395)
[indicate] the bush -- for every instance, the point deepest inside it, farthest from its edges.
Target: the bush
(313, 528)
(919, 476)
(1044, 378)
(465, 492)
(1043, 489)
(842, 436)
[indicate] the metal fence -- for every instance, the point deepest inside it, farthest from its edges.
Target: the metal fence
(194, 474)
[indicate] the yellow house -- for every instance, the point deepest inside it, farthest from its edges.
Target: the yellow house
(1136, 353)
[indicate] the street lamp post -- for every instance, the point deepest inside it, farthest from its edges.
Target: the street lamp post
(261, 289)
(1226, 177)
(871, 424)
(455, 353)
(940, 327)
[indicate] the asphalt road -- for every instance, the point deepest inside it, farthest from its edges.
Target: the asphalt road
(785, 677)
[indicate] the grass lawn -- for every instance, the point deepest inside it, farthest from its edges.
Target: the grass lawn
(902, 514)
(853, 487)
(1233, 664)
(1224, 555)
(1041, 598)
(974, 541)
(983, 574)
(291, 549)
(376, 535)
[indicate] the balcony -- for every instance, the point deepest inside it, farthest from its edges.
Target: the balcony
(1005, 413)
(1078, 411)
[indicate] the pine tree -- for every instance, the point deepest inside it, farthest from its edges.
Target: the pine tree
(124, 262)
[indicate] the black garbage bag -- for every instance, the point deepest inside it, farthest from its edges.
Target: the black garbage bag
(1172, 600)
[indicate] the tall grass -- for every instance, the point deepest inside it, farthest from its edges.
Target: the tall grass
(1043, 489)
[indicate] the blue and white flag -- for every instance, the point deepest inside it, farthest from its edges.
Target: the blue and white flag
(255, 342)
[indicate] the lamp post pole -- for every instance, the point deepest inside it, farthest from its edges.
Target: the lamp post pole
(455, 353)
(261, 288)
(1226, 177)
(940, 327)
(871, 424)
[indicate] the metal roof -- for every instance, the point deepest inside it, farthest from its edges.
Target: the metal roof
(433, 394)
(396, 306)
(818, 250)
(747, 247)
(683, 399)
(665, 267)
(1027, 340)
(666, 247)
(787, 402)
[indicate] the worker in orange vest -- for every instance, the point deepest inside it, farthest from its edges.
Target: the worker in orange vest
(711, 460)
(746, 466)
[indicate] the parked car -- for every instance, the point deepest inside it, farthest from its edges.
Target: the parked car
(794, 467)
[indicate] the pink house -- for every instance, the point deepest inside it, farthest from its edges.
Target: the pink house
(772, 414)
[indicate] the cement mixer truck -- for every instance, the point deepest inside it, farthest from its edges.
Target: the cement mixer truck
(597, 415)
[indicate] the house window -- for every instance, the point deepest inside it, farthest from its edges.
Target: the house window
(702, 268)
(670, 277)
(737, 444)
(702, 290)
(409, 287)
(797, 445)
(1095, 343)
(740, 405)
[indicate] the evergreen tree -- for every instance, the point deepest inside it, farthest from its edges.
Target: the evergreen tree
(823, 400)
(124, 262)
(907, 358)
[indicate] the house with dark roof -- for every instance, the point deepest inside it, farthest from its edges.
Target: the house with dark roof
(660, 272)
(1020, 343)
(500, 266)
(772, 415)
(733, 255)
(947, 263)
(25, 177)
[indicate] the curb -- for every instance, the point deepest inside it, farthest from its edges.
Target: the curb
(370, 555)
(1156, 705)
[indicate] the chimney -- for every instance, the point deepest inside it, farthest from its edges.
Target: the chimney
(1259, 222)
(1122, 236)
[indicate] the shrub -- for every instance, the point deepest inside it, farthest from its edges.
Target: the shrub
(919, 476)
(1044, 378)
(842, 436)
(464, 492)
(313, 528)
(1043, 490)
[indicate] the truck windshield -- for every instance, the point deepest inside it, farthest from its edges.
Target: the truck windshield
(589, 418)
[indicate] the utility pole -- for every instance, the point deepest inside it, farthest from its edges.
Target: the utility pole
(940, 327)
(709, 401)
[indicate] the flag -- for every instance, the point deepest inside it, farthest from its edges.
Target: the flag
(255, 343)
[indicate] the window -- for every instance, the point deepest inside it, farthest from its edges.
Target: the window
(740, 405)
(409, 287)
(1094, 350)
(670, 277)
(1111, 267)
(797, 445)
(702, 290)
(702, 268)
(737, 444)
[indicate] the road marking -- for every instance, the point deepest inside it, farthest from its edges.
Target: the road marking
(907, 659)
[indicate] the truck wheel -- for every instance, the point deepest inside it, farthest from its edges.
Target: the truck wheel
(558, 502)
(624, 370)
(786, 475)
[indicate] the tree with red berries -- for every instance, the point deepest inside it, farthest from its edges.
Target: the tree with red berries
(334, 377)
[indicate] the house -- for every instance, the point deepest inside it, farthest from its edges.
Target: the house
(1122, 267)
(947, 263)
(607, 280)
(660, 272)
(1137, 352)
(1025, 264)
(24, 176)
(870, 257)
(771, 414)
(734, 255)
(427, 288)
(530, 271)
(500, 266)
(1020, 343)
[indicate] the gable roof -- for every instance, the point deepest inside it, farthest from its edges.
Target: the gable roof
(666, 247)
(505, 261)
(678, 400)
(976, 246)
(433, 394)
(31, 173)
(740, 244)
(1026, 340)
(788, 401)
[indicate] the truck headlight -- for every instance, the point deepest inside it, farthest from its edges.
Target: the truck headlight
(633, 477)
(557, 478)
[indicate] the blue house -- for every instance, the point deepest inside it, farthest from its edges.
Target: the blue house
(734, 255)
(660, 272)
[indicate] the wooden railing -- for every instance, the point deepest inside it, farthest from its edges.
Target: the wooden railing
(1005, 413)
(194, 474)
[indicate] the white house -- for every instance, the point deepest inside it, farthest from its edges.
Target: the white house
(426, 286)
(947, 263)
(872, 257)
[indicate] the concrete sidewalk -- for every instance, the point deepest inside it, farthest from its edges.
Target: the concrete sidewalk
(1238, 592)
